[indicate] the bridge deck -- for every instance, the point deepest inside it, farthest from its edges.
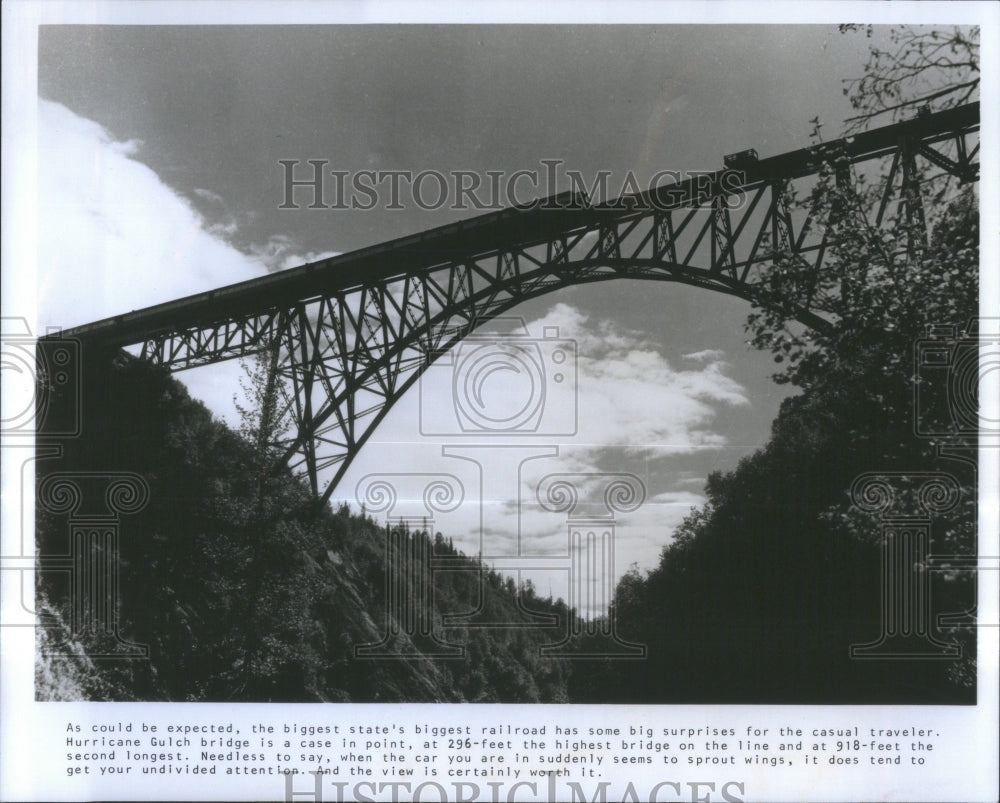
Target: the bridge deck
(523, 226)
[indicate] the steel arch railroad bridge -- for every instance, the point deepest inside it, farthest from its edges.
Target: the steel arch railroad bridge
(352, 333)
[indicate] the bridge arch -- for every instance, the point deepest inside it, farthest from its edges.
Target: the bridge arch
(351, 334)
(347, 419)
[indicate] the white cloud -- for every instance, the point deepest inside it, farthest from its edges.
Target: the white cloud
(208, 195)
(281, 252)
(631, 398)
(112, 236)
(706, 355)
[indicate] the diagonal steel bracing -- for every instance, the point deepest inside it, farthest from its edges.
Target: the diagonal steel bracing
(354, 332)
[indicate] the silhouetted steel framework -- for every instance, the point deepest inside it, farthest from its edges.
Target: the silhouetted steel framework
(355, 331)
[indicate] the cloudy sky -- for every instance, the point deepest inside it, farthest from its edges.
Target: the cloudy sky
(159, 176)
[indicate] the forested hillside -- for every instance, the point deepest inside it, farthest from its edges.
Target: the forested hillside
(765, 588)
(236, 604)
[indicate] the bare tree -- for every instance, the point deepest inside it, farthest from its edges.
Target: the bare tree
(921, 67)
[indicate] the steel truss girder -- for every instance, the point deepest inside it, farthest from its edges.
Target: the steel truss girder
(347, 354)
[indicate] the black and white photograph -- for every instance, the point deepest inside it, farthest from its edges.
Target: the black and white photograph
(372, 374)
